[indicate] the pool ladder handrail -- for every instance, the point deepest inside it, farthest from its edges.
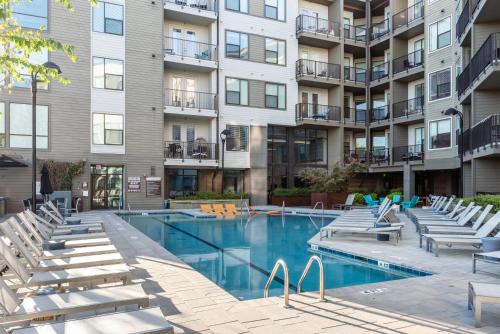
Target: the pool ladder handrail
(286, 285)
(312, 259)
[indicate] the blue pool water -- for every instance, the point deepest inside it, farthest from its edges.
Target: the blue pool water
(238, 255)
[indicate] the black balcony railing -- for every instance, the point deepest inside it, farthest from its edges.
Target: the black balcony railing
(188, 99)
(380, 71)
(355, 74)
(380, 29)
(317, 69)
(355, 115)
(487, 54)
(465, 16)
(380, 156)
(484, 133)
(210, 5)
(408, 15)
(408, 153)
(467, 142)
(355, 33)
(379, 114)
(312, 111)
(359, 155)
(305, 23)
(195, 150)
(408, 62)
(409, 107)
(190, 49)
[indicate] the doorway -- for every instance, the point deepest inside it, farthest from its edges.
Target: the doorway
(106, 187)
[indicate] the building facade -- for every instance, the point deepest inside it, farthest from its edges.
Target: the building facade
(294, 84)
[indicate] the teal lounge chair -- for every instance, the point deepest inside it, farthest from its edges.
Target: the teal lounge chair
(370, 201)
(412, 203)
(396, 199)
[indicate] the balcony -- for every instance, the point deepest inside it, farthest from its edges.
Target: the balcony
(355, 75)
(193, 153)
(409, 67)
(317, 74)
(355, 34)
(309, 113)
(409, 22)
(356, 116)
(408, 154)
(379, 114)
(356, 155)
(380, 156)
(184, 54)
(380, 72)
(484, 137)
(189, 103)
(412, 109)
(477, 11)
(317, 32)
(380, 30)
(191, 11)
(483, 70)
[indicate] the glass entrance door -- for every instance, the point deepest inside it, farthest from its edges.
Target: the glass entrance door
(106, 186)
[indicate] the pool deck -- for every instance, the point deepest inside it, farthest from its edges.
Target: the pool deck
(432, 304)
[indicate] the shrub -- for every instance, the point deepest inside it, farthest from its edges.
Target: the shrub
(484, 200)
(336, 181)
(291, 192)
(393, 193)
(209, 195)
(358, 199)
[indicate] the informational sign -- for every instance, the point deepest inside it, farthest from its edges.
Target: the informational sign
(153, 186)
(134, 184)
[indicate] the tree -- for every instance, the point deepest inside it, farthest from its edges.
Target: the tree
(18, 44)
(319, 180)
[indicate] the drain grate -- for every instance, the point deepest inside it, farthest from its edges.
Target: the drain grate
(373, 291)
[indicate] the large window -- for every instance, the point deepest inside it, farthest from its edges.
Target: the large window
(38, 58)
(440, 84)
(20, 129)
(237, 140)
(2, 124)
(275, 96)
(310, 146)
(108, 73)
(275, 9)
(182, 182)
(107, 129)
(440, 34)
(237, 5)
(275, 51)
(236, 91)
(236, 45)
(31, 14)
(107, 18)
(440, 134)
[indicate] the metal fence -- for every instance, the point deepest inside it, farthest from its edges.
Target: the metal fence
(189, 99)
(408, 15)
(409, 107)
(305, 23)
(190, 49)
(317, 112)
(305, 67)
(196, 150)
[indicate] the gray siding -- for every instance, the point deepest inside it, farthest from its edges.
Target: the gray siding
(257, 93)
(256, 7)
(257, 48)
(486, 175)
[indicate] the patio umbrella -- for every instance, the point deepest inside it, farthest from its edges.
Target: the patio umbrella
(45, 186)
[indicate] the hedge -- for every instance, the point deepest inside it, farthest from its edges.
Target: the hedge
(484, 200)
(291, 192)
(208, 195)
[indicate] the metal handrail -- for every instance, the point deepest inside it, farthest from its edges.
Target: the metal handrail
(312, 259)
(286, 285)
(322, 214)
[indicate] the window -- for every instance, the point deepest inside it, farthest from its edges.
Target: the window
(107, 129)
(440, 134)
(236, 91)
(108, 73)
(20, 126)
(440, 34)
(176, 133)
(237, 140)
(107, 18)
(440, 85)
(38, 58)
(275, 96)
(275, 9)
(31, 14)
(237, 5)
(2, 124)
(182, 182)
(236, 45)
(275, 51)
(419, 140)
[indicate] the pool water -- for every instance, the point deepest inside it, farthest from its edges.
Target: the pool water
(238, 255)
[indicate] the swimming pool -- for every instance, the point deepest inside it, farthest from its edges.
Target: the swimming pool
(238, 255)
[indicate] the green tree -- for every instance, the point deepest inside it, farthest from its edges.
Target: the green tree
(18, 44)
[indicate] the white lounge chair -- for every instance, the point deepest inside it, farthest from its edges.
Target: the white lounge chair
(348, 203)
(464, 220)
(394, 232)
(96, 226)
(489, 257)
(461, 229)
(480, 293)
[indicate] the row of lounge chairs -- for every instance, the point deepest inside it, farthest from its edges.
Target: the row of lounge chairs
(71, 259)
(220, 210)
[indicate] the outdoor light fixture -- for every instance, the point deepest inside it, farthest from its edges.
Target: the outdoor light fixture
(34, 89)
(223, 136)
(455, 112)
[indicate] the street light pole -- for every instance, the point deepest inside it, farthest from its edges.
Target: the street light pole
(455, 112)
(223, 136)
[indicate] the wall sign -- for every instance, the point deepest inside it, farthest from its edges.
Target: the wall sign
(134, 184)
(153, 186)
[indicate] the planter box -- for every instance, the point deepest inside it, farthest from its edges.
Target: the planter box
(188, 204)
(291, 201)
(328, 199)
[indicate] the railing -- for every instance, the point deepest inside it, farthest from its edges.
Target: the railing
(190, 49)
(380, 156)
(355, 115)
(317, 112)
(466, 16)
(487, 54)
(407, 62)
(313, 259)
(380, 71)
(408, 15)
(409, 107)
(379, 30)
(354, 74)
(305, 67)
(359, 155)
(305, 23)
(379, 114)
(195, 150)
(486, 132)
(188, 99)
(467, 143)
(354, 33)
(286, 285)
(210, 5)
(408, 153)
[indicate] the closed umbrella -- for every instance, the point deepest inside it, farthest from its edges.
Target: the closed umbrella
(45, 186)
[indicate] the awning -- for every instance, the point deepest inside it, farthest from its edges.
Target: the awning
(8, 161)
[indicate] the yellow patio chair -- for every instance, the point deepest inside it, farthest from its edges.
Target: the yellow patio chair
(207, 208)
(231, 209)
(219, 210)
